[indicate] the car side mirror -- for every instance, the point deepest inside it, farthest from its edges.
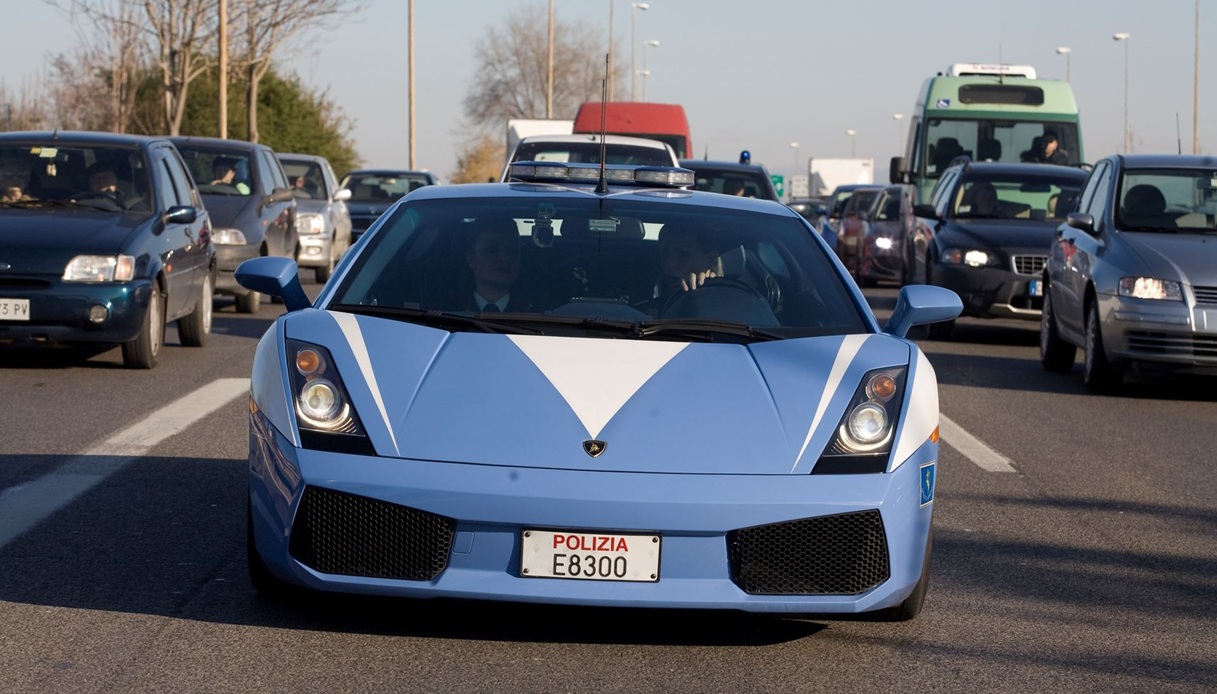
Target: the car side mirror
(896, 173)
(1083, 221)
(919, 304)
(281, 195)
(342, 195)
(925, 210)
(181, 214)
(274, 276)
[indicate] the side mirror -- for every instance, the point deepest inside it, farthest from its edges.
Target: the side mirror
(1083, 221)
(342, 195)
(925, 210)
(274, 276)
(919, 304)
(281, 195)
(181, 214)
(896, 173)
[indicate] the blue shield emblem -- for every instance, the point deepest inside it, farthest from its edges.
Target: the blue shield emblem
(927, 483)
(943, 103)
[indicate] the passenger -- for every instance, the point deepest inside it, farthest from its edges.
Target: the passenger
(494, 258)
(14, 182)
(984, 200)
(1045, 149)
(733, 186)
(225, 171)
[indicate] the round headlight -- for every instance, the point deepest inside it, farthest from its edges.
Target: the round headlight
(319, 401)
(867, 424)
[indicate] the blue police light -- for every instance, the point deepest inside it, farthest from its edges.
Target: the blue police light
(745, 157)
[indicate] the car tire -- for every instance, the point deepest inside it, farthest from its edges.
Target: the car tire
(249, 302)
(194, 328)
(1055, 353)
(911, 607)
(267, 584)
(142, 352)
(1099, 375)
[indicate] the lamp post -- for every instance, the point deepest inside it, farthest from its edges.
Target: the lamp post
(898, 117)
(1196, 86)
(795, 147)
(1122, 36)
(634, 47)
(853, 142)
(1068, 53)
(646, 71)
(549, 70)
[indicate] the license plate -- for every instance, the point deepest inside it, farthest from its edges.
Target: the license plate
(1034, 288)
(589, 556)
(14, 309)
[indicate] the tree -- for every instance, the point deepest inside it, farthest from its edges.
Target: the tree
(512, 69)
(268, 26)
(480, 160)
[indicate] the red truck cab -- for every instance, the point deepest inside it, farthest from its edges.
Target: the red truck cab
(663, 122)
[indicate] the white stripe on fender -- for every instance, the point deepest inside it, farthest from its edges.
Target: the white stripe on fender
(596, 377)
(24, 506)
(845, 356)
(922, 415)
(973, 448)
(350, 328)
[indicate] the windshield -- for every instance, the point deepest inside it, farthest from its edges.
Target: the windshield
(307, 180)
(218, 171)
(382, 188)
(748, 184)
(1029, 198)
(1001, 141)
(1168, 199)
(589, 153)
(111, 179)
(618, 263)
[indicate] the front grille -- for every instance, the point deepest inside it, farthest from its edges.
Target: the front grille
(844, 554)
(1156, 343)
(339, 533)
(1030, 264)
(23, 283)
(1205, 295)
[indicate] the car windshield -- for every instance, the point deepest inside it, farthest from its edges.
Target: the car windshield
(1168, 200)
(838, 202)
(218, 171)
(1027, 198)
(1000, 141)
(382, 188)
(53, 175)
(749, 184)
(593, 266)
(307, 181)
(589, 152)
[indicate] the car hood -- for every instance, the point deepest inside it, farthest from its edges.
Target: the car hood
(1191, 258)
(226, 209)
(988, 233)
(42, 241)
(533, 401)
(368, 209)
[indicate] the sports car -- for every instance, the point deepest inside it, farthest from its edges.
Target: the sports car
(594, 386)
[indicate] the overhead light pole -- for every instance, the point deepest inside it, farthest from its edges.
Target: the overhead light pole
(1068, 53)
(646, 71)
(1196, 87)
(1123, 36)
(795, 147)
(611, 65)
(853, 142)
(549, 70)
(899, 117)
(634, 7)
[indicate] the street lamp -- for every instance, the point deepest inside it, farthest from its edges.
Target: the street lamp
(1127, 133)
(795, 147)
(634, 48)
(1068, 53)
(853, 142)
(646, 72)
(898, 117)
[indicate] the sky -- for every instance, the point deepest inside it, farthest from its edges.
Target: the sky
(756, 75)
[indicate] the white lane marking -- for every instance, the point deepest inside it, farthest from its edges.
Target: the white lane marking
(24, 506)
(973, 448)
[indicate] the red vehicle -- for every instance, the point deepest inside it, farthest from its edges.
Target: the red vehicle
(663, 122)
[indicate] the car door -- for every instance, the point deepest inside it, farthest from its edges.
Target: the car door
(276, 205)
(176, 241)
(339, 213)
(1077, 252)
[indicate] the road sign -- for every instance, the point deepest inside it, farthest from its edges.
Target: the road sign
(800, 186)
(779, 182)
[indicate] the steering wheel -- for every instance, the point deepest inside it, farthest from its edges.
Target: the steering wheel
(711, 284)
(92, 196)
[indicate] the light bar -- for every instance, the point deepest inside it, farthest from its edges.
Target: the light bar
(617, 174)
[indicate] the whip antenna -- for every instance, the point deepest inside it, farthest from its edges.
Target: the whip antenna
(602, 185)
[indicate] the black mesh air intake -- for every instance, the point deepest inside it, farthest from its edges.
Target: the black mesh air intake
(339, 533)
(831, 555)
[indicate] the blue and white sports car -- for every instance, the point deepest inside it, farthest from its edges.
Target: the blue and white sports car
(620, 394)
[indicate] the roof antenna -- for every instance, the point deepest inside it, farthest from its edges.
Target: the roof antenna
(602, 185)
(1001, 66)
(1178, 134)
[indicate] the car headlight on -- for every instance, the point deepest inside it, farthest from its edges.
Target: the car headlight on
(224, 236)
(324, 413)
(309, 223)
(864, 436)
(1150, 288)
(883, 242)
(100, 268)
(971, 257)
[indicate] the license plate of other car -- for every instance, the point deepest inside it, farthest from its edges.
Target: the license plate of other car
(589, 556)
(1034, 288)
(14, 309)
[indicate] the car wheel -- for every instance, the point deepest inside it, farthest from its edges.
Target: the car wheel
(249, 302)
(141, 353)
(1099, 375)
(266, 583)
(1055, 353)
(194, 328)
(911, 607)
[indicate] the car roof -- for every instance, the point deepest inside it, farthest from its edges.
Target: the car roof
(1167, 161)
(714, 165)
(589, 137)
(79, 137)
(849, 187)
(302, 157)
(390, 172)
(217, 143)
(1020, 169)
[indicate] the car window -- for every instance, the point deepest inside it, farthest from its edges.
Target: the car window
(614, 259)
(184, 184)
(743, 183)
(307, 179)
(165, 190)
(109, 178)
(1100, 194)
(382, 188)
(589, 152)
(264, 174)
(210, 167)
(1168, 199)
(1018, 197)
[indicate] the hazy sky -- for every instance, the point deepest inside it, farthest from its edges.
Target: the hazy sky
(753, 75)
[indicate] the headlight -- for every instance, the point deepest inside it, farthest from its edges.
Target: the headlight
(971, 257)
(864, 435)
(309, 224)
(324, 414)
(1150, 288)
(100, 268)
(223, 236)
(883, 242)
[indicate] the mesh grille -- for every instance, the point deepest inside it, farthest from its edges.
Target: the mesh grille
(339, 533)
(1205, 295)
(1030, 264)
(832, 555)
(1202, 348)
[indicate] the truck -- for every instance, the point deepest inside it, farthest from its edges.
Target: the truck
(520, 128)
(663, 122)
(827, 174)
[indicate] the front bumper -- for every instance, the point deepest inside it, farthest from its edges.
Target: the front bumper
(59, 312)
(992, 292)
(490, 506)
(1160, 335)
(315, 250)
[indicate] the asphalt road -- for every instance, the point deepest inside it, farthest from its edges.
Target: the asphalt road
(1084, 561)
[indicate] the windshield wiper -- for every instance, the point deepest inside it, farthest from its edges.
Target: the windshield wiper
(690, 327)
(437, 319)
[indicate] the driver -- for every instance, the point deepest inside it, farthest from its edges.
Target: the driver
(14, 180)
(225, 171)
(103, 183)
(686, 259)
